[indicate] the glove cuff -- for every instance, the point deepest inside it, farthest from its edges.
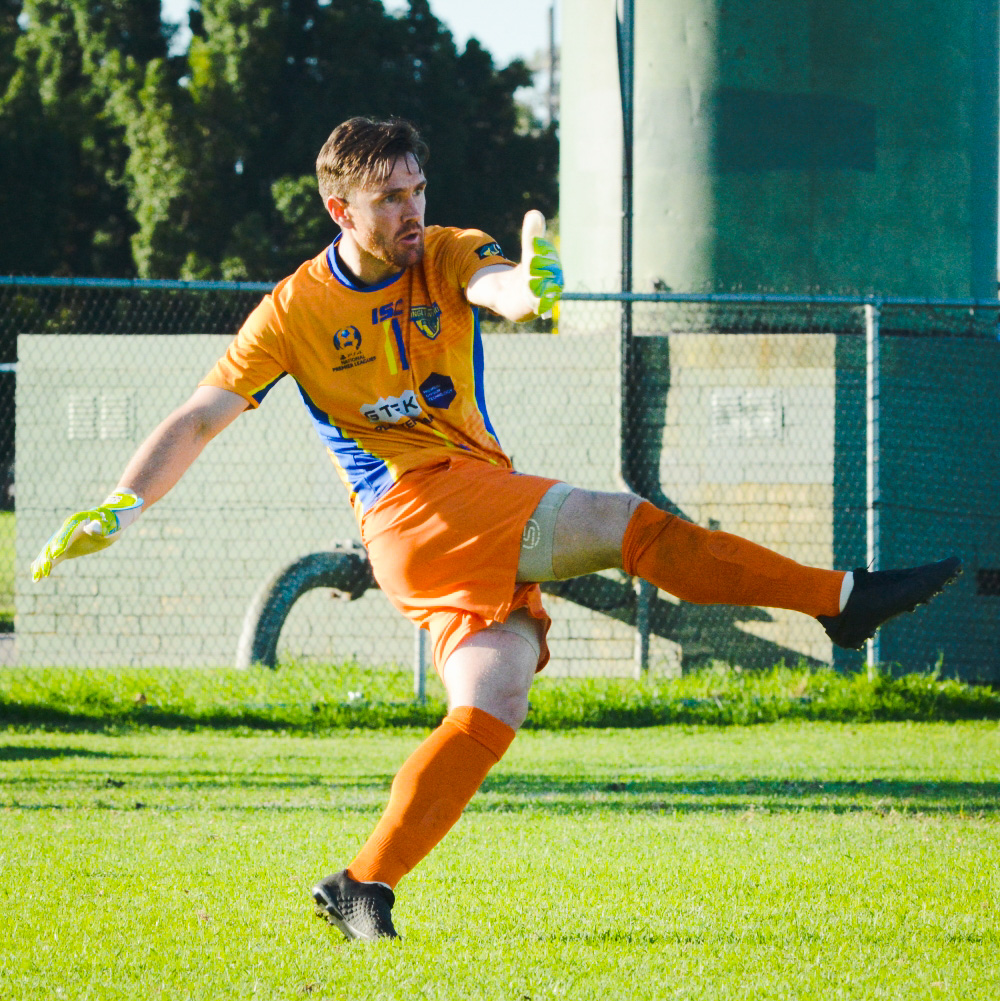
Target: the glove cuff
(125, 506)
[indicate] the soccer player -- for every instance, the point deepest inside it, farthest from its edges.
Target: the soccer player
(380, 331)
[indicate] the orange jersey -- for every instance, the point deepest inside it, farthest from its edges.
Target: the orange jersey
(391, 374)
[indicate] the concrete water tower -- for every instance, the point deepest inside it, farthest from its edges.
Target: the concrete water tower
(786, 145)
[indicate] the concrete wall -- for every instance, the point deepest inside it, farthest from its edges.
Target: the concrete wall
(939, 430)
(748, 446)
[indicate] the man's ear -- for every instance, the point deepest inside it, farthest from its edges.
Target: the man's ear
(339, 211)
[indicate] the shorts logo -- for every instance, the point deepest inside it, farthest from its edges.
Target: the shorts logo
(438, 391)
(427, 319)
(489, 250)
(531, 535)
(393, 409)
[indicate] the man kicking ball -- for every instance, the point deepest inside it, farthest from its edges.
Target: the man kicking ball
(381, 333)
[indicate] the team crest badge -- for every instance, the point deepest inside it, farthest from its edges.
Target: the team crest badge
(427, 319)
(489, 250)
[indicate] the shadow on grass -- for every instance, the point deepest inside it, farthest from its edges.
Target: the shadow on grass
(195, 782)
(46, 753)
(549, 711)
(516, 793)
(321, 720)
(557, 794)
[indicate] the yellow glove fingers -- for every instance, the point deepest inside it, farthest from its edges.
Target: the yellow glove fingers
(546, 282)
(87, 532)
(53, 550)
(541, 259)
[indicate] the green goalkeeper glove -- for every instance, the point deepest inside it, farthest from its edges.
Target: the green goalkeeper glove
(544, 267)
(87, 532)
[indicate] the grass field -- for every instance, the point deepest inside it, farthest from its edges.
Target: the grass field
(791, 860)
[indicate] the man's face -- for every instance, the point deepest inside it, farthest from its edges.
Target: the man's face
(387, 219)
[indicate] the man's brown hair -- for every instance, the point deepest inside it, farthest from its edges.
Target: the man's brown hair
(362, 151)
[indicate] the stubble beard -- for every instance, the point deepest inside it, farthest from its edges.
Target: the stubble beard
(399, 256)
(406, 257)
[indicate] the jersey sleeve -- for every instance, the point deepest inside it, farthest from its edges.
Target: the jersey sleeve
(251, 364)
(468, 251)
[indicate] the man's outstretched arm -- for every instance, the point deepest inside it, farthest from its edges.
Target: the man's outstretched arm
(159, 462)
(532, 287)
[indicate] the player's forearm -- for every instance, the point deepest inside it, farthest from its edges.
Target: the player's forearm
(160, 461)
(166, 455)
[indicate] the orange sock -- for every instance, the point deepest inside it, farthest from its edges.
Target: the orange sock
(430, 792)
(707, 568)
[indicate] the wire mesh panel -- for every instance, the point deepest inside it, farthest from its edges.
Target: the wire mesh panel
(750, 414)
(740, 414)
(938, 435)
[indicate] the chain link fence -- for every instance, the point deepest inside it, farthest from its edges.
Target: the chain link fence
(840, 432)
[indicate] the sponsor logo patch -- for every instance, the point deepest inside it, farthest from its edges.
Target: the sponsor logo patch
(438, 391)
(427, 319)
(392, 409)
(349, 337)
(348, 343)
(489, 250)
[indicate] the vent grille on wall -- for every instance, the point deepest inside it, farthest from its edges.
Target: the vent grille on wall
(100, 416)
(747, 415)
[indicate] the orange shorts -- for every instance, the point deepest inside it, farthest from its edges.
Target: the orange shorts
(444, 545)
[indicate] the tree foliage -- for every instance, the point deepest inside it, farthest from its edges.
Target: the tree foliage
(117, 157)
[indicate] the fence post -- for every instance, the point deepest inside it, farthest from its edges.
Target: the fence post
(626, 80)
(419, 664)
(644, 592)
(873, 314)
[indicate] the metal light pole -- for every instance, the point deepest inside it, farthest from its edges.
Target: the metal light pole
(626, 81)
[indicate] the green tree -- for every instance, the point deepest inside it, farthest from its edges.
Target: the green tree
(483, 172)
(268, 81)
(156, 117)
(10, 10)
(58, 99)
(117, 158)
(35, 200)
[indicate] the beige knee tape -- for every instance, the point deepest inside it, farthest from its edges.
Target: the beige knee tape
(535, 561)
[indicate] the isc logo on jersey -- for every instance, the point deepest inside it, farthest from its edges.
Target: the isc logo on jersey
(393, 410)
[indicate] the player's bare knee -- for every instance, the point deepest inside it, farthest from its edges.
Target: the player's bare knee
(505, 696)
(588, 535)
(516, 710)
(494, 668)
(521, 664)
